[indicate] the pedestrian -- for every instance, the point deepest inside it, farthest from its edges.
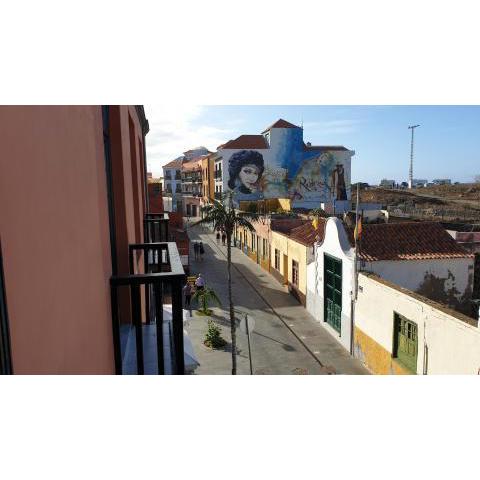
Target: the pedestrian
(218, 236)
(200, 282)
(195, 250)
(224, 237)
(187, 291)
(201, 250)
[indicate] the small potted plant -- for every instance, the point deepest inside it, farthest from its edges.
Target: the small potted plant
(203, 296)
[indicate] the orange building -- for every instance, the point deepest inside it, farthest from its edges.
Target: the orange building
(73, 212)
(208, 182)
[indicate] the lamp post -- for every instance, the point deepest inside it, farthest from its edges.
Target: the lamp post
(410, 173)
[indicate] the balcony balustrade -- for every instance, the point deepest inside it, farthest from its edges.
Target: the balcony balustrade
(147, 312)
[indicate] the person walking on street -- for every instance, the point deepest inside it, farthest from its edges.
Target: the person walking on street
(195, 250)
(201, 250)
(224, 237)
(200, 282)
(218, 236)
(187, 291)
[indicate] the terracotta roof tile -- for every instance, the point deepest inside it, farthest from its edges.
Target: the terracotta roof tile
(195, 164)
(406, 241)
(281, 123)
(247, 141)
(307, 235)
(286, 225)
(174, 164)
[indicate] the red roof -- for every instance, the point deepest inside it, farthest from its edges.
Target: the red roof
(246, 141)
(407, 241)
(307, 235)
(174, 164)
(281, 123)
(286, 225)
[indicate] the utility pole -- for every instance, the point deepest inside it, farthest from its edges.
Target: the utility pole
(410, 173)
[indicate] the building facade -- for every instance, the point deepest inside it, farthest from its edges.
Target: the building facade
(400, 332)
(192, 184)
(67, 259)
(172, 180)
(420, 257)
(278, 164)
(208, 180)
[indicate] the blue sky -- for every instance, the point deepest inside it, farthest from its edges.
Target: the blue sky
(446, 143)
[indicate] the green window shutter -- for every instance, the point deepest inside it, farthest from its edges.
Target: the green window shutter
(333, 292)
(405, 342)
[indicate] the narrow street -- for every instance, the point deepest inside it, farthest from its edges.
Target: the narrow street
(286, 339)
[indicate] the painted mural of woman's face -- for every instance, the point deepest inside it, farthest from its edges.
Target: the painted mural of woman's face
(249, 176)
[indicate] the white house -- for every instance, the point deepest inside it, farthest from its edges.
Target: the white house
(421, 257)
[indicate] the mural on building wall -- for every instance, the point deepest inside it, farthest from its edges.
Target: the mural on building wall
(289, 170)
(245, 170)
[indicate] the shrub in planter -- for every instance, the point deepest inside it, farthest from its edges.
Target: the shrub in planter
(213, 338)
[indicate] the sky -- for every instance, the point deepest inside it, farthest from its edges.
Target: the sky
(446, 143)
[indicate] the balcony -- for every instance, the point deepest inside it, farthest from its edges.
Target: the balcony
(147, 312)
(155, 227)
(217, 175)
(192, 178)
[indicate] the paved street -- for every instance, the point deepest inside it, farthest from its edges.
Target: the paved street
(286, 339)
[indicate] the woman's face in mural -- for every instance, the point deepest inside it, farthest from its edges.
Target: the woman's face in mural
(249, 176)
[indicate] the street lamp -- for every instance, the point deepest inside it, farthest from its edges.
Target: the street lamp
(410, 173)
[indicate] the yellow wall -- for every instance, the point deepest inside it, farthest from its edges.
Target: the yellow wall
(295, 251)
(279, 242)
(375, 357)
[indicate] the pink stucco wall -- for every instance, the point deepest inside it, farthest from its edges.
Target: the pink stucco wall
(55, 239)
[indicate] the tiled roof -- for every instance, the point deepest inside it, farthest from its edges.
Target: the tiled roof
(246, 141)
(174, 164)
(406, 241)
(307, 235)
(286, 225)
(281, 123)
(195, 164)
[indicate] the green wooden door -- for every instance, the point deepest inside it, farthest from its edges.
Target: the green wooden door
(406, 342)
(333, 292)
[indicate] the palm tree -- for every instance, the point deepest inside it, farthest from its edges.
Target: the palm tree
(204, 296)
(224, 216)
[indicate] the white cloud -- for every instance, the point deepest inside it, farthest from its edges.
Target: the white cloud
(175, 129)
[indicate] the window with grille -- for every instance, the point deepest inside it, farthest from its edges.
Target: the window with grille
(405, 342)
(295, 272)
(277, 259)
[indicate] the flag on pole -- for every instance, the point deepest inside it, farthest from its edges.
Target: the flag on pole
(358, 229)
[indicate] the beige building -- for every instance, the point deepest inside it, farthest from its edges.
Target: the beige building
(292, 251)
(400, 332)
(257, 244)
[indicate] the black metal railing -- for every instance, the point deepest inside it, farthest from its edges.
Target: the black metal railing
(155, 227)
(156, 289)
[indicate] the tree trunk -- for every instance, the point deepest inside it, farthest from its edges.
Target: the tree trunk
(230, 301)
